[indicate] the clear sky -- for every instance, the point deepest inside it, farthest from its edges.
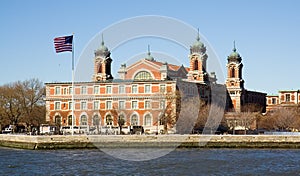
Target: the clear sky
(267, 35)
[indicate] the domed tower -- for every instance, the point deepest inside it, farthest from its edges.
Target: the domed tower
(198, 59)
(102, 64)
(234, 81)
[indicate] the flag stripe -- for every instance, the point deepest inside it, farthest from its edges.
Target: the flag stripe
(63, 44)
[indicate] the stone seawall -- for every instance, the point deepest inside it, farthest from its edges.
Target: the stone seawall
(144, 141)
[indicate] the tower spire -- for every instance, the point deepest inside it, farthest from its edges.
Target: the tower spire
(102, 42)
(234, 49)
(198, 35)
(149, 57)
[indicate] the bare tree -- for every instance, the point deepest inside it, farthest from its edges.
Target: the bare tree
(10, 104)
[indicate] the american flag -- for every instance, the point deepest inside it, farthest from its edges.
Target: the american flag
(63, 44)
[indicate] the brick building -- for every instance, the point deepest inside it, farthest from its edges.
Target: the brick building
(285, 98)
(144, 92)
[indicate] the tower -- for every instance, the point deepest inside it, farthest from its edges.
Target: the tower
(102, 64)
(234, 81)
(198, 57)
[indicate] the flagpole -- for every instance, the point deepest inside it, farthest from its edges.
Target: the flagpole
(73, 88)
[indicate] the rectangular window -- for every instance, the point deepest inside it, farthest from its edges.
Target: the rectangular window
(147, 104)
(287, 97)
(83, 105)
(162, 88)
(83, 90)
(96, 105)
(274, 101)
(121, 89)
(70, 105)
(134, 89)
(70, 90)
(162, 104)
(108, 105)
(108, 89)
(57, 105)
(134, 105)
(57, 91)
(147, 89)
(65, 91)
(96, 90)
(121, 104)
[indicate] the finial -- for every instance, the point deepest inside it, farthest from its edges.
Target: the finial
(234, 49)
(198, 36)
(102, 43)
(149, 50)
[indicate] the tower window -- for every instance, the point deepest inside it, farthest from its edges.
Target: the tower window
(232, 72)
(196, 65)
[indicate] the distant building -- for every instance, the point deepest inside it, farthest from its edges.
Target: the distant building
(144, 92)
(285, 98)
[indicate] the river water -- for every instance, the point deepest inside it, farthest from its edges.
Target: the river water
(178, 162)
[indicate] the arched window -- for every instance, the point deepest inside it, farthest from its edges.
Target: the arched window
(70, 120)
(109, 120)
(83, 120)
(143, 75)
(99, 68)
(196, 65)
(148, 120)
(232, 72)
(134, 120)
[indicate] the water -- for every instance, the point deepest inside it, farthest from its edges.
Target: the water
(178, 162)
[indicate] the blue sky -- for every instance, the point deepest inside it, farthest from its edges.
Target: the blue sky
(266, 34)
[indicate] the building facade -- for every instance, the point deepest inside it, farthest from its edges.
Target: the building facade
(285, 98)
(144, 92)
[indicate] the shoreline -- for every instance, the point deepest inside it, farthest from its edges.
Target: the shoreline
(53, 142)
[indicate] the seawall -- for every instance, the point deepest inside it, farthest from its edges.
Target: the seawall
(144, 141)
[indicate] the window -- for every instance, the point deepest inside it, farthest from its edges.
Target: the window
(109, 120)
(83, 105)
(162, 104)
(274, 101)
(147, 104)
(83, 120)
(232, 72)
(147, 89)
(143, 75)
(134, 105)
(108, 105)
(108, 89)
(83, 90)
(134, 120)
(121, 104)
(57, 105)
(96, 89)
(65, 91)
(57, 91)
(121, 89)
(162, 88)
(196, 65)
(147, 121)
(134, 89)
(96, 105)
(70, 120)
(70, 90)
(287, 97)
(70, 105)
